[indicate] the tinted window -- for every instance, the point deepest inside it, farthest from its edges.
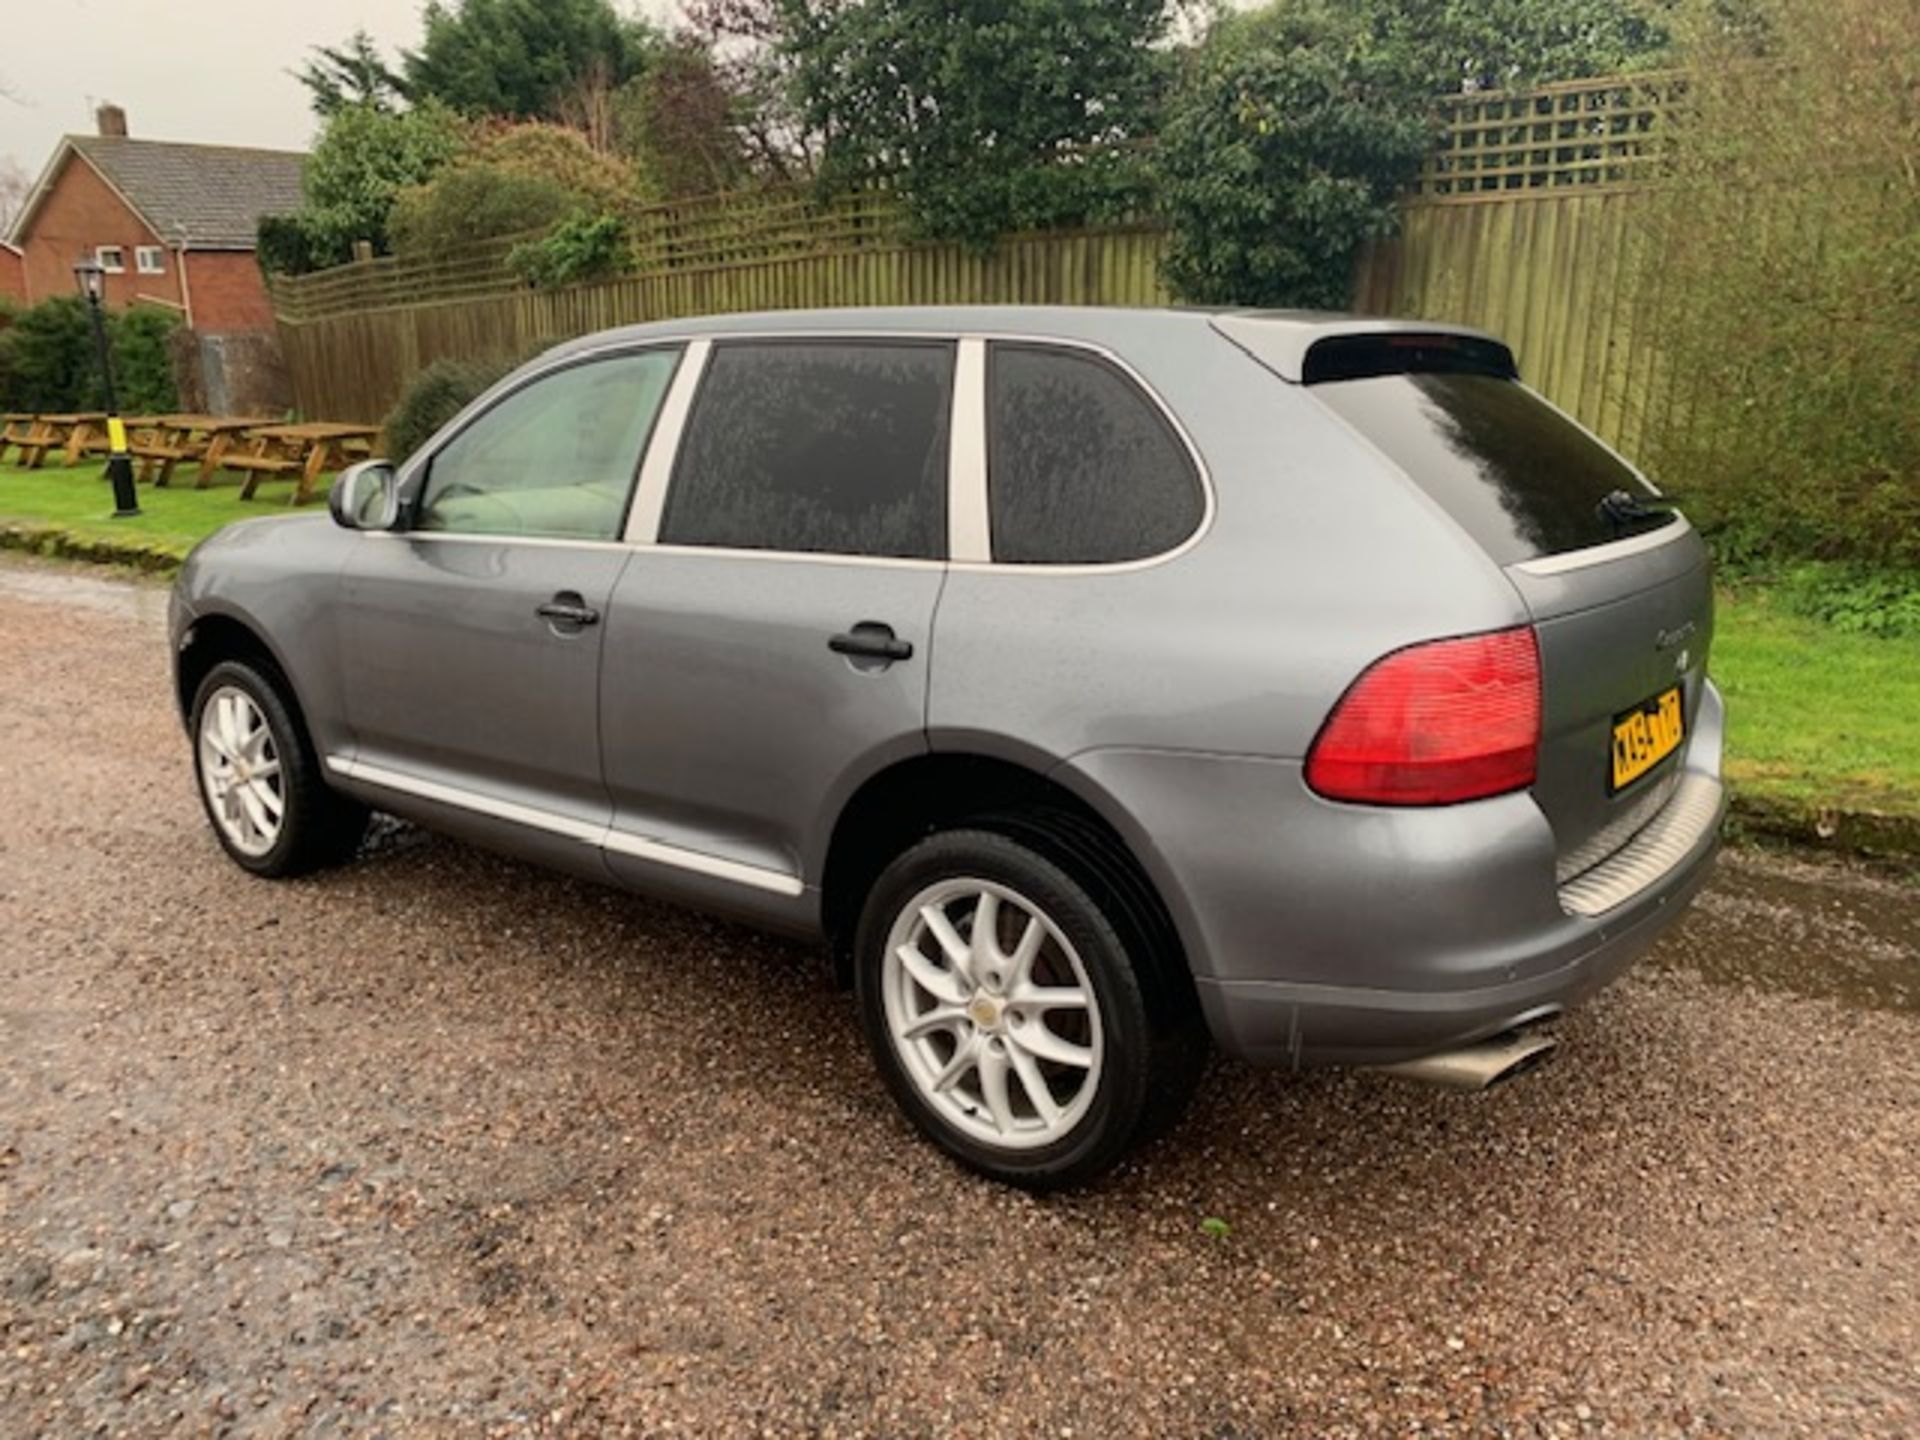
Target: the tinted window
(1082, 468)
(1516, 474)
(817, 446)
(557, 457)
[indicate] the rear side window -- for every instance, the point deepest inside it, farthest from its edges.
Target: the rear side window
(1082, 468)
(821, 446)
(1515, 473)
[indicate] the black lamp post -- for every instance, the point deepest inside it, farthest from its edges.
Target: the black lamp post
(126, 501)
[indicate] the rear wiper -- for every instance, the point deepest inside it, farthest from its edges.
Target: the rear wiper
(1622, 508)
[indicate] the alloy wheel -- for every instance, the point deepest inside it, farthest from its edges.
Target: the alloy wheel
(992, 1014)
(240, 771)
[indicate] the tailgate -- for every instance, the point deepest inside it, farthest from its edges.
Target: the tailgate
(1618, 633)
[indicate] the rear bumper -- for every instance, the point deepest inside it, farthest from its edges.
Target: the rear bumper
(1276, 1023)
(1336, 934)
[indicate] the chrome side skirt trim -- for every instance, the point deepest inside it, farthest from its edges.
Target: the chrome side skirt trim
(1645, 860)
(641, 848)
(467, 800)
(603, 837)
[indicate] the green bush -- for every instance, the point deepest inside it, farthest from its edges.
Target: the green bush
(469, 203)
(1856, 599)
(51, 363)
(49, 360)
(143, 360)
(1283, 151)
(515, 180)
(9, 384)
(1783, 263)
(437, 394)
(284, 246)
(577, 249)
(554, 152)
(364, 158)
(985, 119)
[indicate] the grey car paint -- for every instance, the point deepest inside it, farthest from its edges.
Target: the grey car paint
(1177, 697)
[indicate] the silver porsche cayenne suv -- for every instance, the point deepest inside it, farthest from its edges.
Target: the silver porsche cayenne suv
(1101, 686)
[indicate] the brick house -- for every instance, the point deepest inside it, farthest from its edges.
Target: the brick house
(171, 224)
(13, 273)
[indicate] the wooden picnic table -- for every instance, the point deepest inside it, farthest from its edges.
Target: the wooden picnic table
(95, 440)
(173, 438)
(52, 432)
(303, 451)
(18, 430)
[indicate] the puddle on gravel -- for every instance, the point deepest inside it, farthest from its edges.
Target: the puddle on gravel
(47, 584)
(1822, 930)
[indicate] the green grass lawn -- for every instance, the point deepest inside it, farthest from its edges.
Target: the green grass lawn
(79, 501)
(1817, 718)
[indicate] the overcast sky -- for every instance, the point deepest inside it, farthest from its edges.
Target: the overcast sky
(207, 70)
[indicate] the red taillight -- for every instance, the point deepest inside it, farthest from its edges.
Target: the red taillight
(1436, 723)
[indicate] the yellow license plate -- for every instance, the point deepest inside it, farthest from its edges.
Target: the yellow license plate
(1645, 736)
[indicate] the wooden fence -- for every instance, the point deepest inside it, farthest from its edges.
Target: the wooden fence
(355, 362)
(1526, 219)
(1530, 219)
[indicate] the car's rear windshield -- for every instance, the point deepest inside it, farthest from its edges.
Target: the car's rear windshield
(1514, 472)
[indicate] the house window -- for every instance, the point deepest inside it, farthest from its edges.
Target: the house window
(111, 258)
(149, 259)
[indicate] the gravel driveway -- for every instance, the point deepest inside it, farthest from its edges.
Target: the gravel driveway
(439, 1144)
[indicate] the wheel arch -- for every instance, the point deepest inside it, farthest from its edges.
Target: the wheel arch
(219, 635)
(948, 789)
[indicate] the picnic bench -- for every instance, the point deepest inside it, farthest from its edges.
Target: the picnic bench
(54, 432)
(301, 451)
(19, 430)
(171, 439)
(96, 441)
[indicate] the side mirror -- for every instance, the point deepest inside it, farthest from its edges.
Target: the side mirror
(366, 496)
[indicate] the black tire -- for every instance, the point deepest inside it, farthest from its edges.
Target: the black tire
(1150, 1060)
(318, 826)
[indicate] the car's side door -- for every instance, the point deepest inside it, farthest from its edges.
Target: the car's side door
(471, 638)
(769, 643)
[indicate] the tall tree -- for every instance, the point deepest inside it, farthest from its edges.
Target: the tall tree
(748, 43)
(1285, 146)
(989, 116)
(523, 58)
(353, 73)
(676, 123)
(364, 158)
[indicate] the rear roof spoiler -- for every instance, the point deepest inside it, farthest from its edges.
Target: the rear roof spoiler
(1305, 349)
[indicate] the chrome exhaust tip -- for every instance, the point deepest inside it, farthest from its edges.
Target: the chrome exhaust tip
(1479, 1066)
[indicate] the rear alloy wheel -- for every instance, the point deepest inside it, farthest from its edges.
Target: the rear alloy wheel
(991, 1013)
(259, 779)
(1004, 1010)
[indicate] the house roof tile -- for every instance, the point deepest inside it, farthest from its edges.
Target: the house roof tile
(210, 196)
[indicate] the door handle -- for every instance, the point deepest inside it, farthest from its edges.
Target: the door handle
(567, 608)
(871, 640)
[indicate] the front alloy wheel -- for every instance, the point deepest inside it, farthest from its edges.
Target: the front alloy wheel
(259, 778)
(240, 771)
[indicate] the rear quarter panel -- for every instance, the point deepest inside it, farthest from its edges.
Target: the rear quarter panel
(1317, 559)
(1127, 683)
